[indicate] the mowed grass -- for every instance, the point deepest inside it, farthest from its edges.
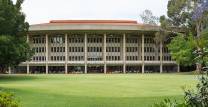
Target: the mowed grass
(96, 90)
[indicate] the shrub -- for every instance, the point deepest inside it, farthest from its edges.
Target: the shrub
(8, 100)
(169, 103)
(198, 98)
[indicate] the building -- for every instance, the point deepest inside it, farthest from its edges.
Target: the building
(95, 46)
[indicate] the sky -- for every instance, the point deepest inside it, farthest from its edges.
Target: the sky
(42, 11)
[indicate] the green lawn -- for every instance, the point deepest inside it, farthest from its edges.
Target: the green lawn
(96, 90)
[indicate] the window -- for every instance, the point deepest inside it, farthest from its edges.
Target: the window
(38, 39)
(132, 40)
(113, 40)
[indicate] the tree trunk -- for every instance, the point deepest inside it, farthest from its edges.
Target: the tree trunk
(198, 68)
(199, 29)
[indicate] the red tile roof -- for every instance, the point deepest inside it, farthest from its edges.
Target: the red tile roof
(95, 21)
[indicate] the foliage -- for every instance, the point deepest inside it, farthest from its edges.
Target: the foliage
(13, 29)
(12, 19)
(12, 51)
(184, 49)
(169, 103)
(200, 10)
(8, 100)
(180, 15)
(181, 48)
(191, 17)
(148, 18)
(200, 97)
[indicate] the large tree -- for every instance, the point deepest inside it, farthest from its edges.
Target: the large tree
(148, 18)
(190, 18)
(13, 29)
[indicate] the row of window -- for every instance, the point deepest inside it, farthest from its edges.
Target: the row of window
(149, 49)
(94, 40)
(113, 40)
(76, 58)
(165, 50)
(39, 58)
(108, 58)
(113, 49)
(113, 58)
(76, 49)
(94, 49)
(148, 40)
(132, 58)
(76, 40)
(167, 58)
(91, 49)
(132, 40)
(38, 40)
(132, 49)
(39, 49)
(57, 58)
(60, 39)
(95, 59)
(57, 49)
(149, 58)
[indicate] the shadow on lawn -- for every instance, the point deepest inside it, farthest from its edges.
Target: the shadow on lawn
(10, 78)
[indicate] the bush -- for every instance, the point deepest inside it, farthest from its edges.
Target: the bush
(8, 100)
(169, 103)
(198, 98)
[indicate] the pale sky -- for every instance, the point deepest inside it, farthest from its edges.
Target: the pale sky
(42, 11)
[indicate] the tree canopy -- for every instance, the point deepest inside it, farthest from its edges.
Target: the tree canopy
(148, 18)
(190, 17)
(12, 19)
(13, 29)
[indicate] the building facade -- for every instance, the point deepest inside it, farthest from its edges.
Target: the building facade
(95, 46)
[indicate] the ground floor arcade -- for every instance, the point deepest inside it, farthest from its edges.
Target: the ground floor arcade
(93, 68)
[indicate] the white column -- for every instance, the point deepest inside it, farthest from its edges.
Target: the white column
(143, 53)
(28, 68)
(85, 52)
(124, 53)
(161, 57)
(28, 65)
(178, 67)
(104, 54)
(66, 54)
(10, 71)
(46, 68)
(46, 53)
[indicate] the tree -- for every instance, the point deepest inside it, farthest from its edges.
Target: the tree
(13, 52)
(200, 17)
(13, 29)
(148, 18)
(191, 17)
(181, 48)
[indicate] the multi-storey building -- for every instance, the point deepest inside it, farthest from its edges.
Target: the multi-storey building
(95, 46)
